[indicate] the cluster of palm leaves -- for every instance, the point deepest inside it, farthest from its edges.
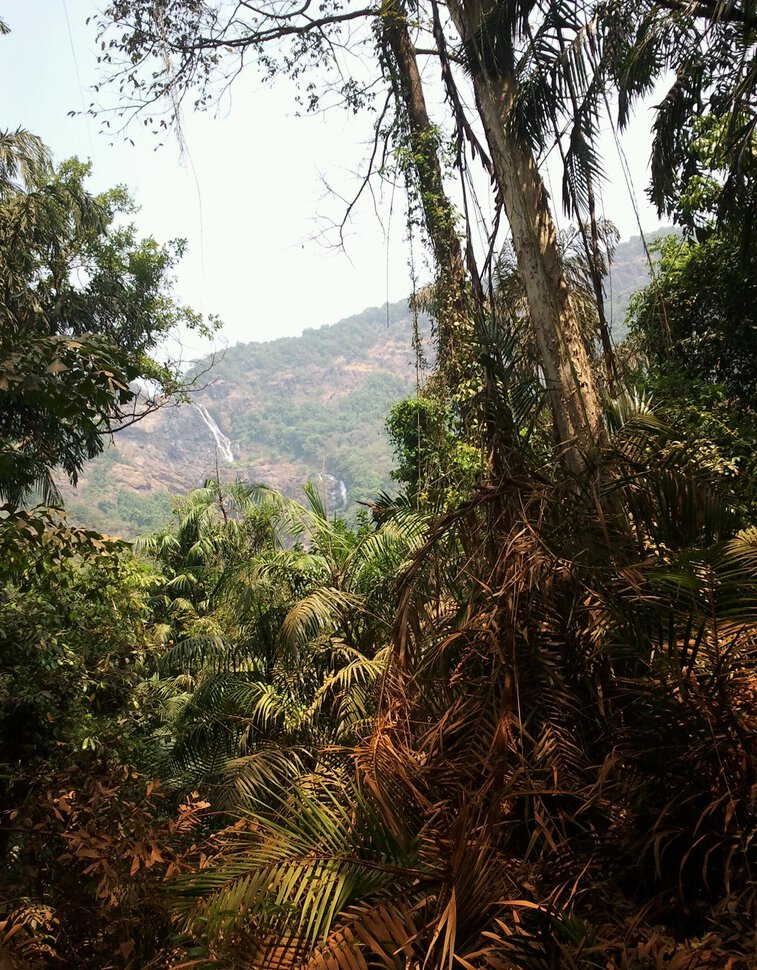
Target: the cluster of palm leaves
(276, 619)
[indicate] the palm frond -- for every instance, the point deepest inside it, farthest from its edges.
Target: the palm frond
(318, 612)
(294, 874)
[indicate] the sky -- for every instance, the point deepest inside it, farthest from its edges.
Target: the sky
(249, 194)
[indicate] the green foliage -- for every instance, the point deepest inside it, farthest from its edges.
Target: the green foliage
(74, 647)
(297, 430)
(131, 513)
(435, 465)
(39, 541)
(56, 395)
(276, 617)
(695, 326)
(699, 312)
(83, 303)
(325, 849)
(542, 761)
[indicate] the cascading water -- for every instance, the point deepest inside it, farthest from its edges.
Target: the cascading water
(223, 445)
(336, 489)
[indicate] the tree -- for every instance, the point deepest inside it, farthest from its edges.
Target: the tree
(489, 35)
(24, 160)
(440, 219)
(85, 841)
(699, 312)
(693, 329)
(83, 305)
(191, 40)
(708, 51)
(561, 767)
(86, 835)
(694, 323)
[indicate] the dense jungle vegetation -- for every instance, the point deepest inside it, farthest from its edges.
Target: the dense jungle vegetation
(504, 719)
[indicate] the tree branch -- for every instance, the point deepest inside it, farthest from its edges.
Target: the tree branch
(713, 10)
(276, 33)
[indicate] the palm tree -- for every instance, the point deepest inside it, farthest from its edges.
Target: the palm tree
(489, 33)
(25, 162)
(278, 618)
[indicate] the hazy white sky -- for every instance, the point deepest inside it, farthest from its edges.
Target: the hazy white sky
(250, 197)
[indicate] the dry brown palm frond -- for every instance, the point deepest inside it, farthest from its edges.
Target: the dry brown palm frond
(572, 676)
(381, 934)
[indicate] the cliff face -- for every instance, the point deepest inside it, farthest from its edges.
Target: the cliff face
(170, 450)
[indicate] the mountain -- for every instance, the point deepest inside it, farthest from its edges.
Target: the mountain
(629, 273)
(283, 412)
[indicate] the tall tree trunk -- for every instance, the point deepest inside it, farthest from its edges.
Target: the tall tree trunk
(438, 212)
(573, 395)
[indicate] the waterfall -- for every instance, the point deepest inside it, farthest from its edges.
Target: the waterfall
(336, 490)
(223, 445)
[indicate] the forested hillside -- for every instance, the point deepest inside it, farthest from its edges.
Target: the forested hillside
(503, 718)
(296, 409)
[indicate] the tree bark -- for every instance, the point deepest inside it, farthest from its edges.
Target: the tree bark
(437, 209)
(438, 212)
(572, 391)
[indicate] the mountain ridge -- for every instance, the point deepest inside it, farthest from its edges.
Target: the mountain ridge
(291, 409)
